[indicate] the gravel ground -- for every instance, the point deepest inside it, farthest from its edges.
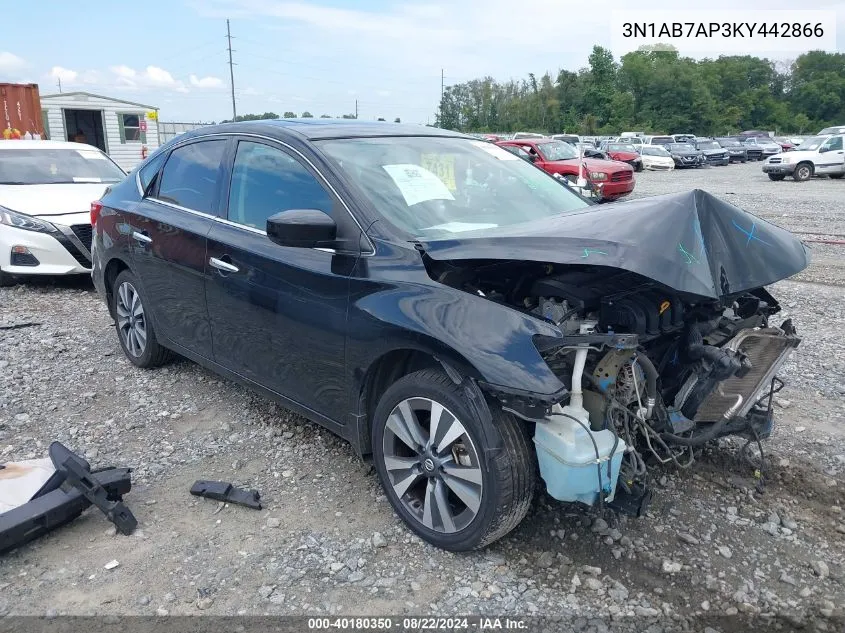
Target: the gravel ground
(327, 541)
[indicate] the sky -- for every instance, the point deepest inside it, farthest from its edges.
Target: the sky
(319, 56)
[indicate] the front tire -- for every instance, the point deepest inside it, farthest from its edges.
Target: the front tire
(777, 177)
(803, 172)
(135, 329)
(458, 481)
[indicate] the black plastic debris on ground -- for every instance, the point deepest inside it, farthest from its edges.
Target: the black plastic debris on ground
(224, 491)
(71, 489)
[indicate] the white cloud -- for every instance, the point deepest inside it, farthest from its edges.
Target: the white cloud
(123, 71)
(149, 78)
(10, 62)
(65, 74)
(206, 82)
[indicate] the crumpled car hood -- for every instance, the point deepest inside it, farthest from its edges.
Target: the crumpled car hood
(692, 242)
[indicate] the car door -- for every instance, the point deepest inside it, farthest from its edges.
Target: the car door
(169, 229)
(278, 314)
(831, 158)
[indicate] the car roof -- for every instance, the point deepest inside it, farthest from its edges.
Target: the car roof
(317, 129)
(9, 144)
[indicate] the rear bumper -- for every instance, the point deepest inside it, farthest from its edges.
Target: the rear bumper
(55, 254)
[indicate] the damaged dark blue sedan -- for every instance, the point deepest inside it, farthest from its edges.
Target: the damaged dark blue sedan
(451, 310)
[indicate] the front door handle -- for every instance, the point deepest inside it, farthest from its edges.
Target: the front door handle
(219, 264)
(144, 239)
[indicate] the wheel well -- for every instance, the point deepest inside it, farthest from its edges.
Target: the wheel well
(384, 372)
(113, 269)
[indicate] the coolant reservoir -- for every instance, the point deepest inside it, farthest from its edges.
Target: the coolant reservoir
(567, 457)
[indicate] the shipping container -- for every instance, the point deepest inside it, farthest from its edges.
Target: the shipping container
(20, 111)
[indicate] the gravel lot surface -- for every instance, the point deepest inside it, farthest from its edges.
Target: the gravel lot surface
(328, 542)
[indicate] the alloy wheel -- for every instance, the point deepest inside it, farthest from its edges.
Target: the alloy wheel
(432, 465)
(131, 321)
(803, 172)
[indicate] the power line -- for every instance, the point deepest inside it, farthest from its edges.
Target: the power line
(231, 71)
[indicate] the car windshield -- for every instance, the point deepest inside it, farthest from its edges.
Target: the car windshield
(708, 145)
(56, 166)
(432, 188)
(621, 147)
(662, 140)
(681, 147)
(812, 144)
(557, 150)
(654, 151)
(730, 143)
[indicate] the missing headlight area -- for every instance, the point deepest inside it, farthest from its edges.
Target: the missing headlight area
(654, 368)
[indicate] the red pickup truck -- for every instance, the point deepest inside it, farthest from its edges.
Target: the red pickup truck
(616, 179)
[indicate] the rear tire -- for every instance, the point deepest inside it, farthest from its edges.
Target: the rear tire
(467, 486)
(803, 172)
(777, 177)
(135, 329)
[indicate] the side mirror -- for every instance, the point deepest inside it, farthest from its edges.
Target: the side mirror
(532, 158)
(823, 149)
(302, 228)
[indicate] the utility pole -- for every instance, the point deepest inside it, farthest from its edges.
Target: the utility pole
(60, 84)
(356, 108)
(231, 71)
(442, 84)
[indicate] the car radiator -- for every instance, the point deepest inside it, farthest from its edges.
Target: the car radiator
(767, 349)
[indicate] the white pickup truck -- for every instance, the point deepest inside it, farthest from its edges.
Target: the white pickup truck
(816, 156)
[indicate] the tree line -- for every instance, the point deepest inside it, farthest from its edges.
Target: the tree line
(658, 91)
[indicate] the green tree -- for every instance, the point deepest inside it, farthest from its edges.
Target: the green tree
(307, 115)
(289, 115)
(325, 116)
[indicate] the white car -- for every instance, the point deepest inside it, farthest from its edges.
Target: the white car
(818, 156)
(46, 191)
(656, 158)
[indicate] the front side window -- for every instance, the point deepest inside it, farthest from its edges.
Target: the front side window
(434, 188)
(57, 166)
(833, 144)
(266, 180)
(191, 174)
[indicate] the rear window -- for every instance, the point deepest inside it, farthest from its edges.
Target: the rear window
(57, 166)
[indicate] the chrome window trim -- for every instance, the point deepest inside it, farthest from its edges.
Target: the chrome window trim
(295, 151)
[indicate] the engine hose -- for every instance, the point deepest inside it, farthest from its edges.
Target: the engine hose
(651, 381)
(709, 434)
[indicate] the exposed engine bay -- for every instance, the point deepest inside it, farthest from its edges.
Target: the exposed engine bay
(665, 372)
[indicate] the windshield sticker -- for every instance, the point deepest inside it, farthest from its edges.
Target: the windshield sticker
(84, 179)
(91, 154)
(443, 166)
(417, 183)
(495, 150)
(460, 227)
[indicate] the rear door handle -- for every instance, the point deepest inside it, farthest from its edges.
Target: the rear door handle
(219, 264)
(144, 239)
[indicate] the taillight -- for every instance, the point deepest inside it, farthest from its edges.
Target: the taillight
(96, 207)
